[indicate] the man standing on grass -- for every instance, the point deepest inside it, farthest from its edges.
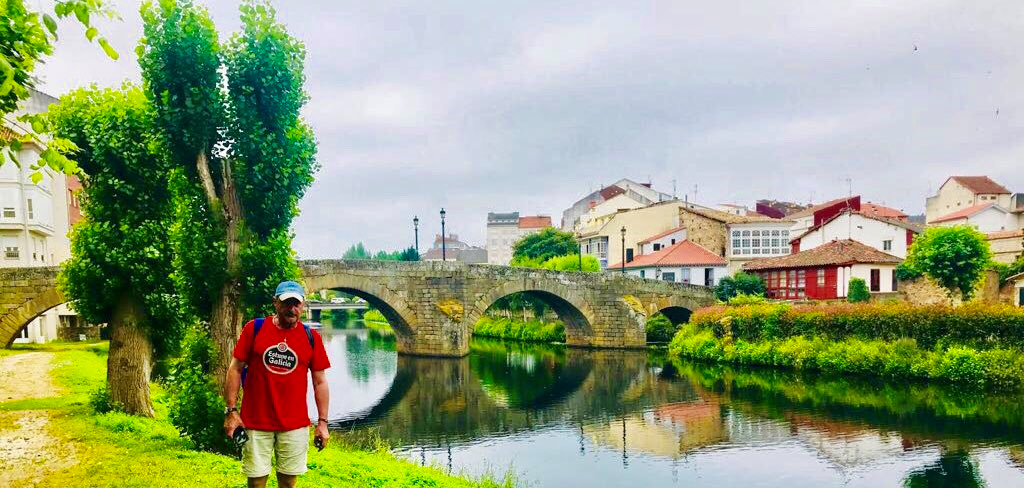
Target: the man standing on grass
(275, 353)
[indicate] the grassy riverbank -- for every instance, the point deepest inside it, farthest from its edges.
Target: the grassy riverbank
(971, 346)
(517, 330)
(114, 449)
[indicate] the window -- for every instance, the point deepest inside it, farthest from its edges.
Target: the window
(876, 280)
(11, 252)
(642, 273)
(685, 275)
(775, 233)
(756, 233)
(887, 245)
(657, 247)
(755, 242)
(31, 213)
(821, 277)
(9, 212)
(735, 233)
(673, 241)
(629, 255)
(709, 276)
(668, 277)
(735, 244)
(746, 233)
(894, 287)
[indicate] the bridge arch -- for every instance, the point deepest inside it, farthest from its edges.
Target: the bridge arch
(16, 319)
(577, 315)
(677, 309)
(401, 317)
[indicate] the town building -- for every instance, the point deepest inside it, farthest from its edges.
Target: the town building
(958, 193)
(986, 217)
(35, 219)
(824, 272)
(888, 235)
(1007, 246)
(641, 193)
(1018, 289)
(681, 262)
(814, 215)
(604, 237)
(454, 250)
(777, 209)
(507, 228)
(736, 238)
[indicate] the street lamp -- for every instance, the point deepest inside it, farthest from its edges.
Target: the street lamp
(416, 231)
(442, 235)
(623, 232)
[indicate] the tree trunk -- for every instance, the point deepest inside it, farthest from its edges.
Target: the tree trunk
(130, 360)
(226, 315)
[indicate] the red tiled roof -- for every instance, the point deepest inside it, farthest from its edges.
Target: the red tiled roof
(809, 211)
(534, 222)
(682, 253)
(980, 184)
(659, 236)
(843, 252)
(610, 191)
(881, 211)
(963, 213)
(1005, 234)
(896, 222)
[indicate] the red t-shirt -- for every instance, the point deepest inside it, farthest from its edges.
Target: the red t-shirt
(274, 393)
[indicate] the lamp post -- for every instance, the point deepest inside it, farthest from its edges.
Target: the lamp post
(416, 232)
(623, 232)
(442, 236)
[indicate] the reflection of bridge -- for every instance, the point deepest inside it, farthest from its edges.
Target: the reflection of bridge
(433, 306)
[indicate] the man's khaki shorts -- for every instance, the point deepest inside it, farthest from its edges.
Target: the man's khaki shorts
(289, 447)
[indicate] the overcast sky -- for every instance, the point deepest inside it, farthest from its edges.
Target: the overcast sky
(504, 106)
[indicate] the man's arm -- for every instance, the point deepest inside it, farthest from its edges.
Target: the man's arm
(323, 398)
(232, 383)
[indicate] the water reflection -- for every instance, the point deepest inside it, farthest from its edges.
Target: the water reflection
(572, 417)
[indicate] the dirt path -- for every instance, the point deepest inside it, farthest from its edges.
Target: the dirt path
(27, 451)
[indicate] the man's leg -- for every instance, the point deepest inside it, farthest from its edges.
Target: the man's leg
(259, 482)
(286, 480)
(256, 457)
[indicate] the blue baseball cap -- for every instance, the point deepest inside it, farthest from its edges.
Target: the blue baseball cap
(290, 289)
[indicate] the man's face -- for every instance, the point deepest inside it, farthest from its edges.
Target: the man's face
(288, 311)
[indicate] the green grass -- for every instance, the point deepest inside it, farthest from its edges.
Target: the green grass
(517, 330)
(119, 450)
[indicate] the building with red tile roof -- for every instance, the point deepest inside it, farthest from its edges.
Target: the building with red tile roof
(682, 262)
(959, 193)
(876, 210)
(824, 272)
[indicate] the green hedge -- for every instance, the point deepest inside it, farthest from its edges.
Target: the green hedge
(532, 331)
(980, 326)
(904, 358)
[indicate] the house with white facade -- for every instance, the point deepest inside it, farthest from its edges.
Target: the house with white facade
(642, 193)
(824, 272)
(682, 262)
(504, 229)
(986, 217)
(34, 218)
(613, 237)
(888, 235)
(958, 193)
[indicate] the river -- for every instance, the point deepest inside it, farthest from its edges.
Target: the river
(562, 417)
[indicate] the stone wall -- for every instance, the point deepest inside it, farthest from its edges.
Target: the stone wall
(703, 231)
(924, 291)
(24, 294)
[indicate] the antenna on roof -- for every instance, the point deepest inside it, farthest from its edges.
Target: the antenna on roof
(674, 189)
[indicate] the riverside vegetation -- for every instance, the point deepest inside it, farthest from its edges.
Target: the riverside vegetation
(976, 345)
(116, 449)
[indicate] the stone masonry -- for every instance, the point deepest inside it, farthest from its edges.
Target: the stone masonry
(434, 305)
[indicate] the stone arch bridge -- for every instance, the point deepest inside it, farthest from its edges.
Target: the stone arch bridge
(433, 306)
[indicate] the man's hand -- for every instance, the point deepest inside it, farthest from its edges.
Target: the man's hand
(232, 422)
(321, 432)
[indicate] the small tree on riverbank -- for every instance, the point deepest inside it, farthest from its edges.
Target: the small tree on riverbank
(544, 245)
(955, 257)
(858, 291)
(739, 284)
(121, 261)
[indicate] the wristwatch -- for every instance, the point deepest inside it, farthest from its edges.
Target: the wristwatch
(227, 411)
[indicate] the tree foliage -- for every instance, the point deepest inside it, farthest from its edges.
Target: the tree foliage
(739, 284)
(955, 257)
(27, 37)
(121, 249)
(858, 291)
(544, 245)
(359, 251)
(569, 262)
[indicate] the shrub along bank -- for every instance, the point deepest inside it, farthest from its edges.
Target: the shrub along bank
(973, 345)
(531, 331)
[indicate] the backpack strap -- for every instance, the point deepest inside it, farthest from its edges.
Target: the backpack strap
(256, 326)
(312, 344)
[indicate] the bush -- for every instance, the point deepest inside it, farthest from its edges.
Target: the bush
(744, 299)
(532, 331)
(977, 325)
(858, 291)
(100, 401)
(660, 328)
(740, 283)
(196, 405)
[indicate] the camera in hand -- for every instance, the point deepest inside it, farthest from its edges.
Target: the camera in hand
(240, 435)
(319, 443)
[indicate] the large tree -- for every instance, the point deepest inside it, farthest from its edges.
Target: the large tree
(544, 245)
(229, 114)
(121, 262)
(955, 257)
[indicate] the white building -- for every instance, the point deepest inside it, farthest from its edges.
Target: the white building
(681, 262)
(34, 218)
(505, 229)
(960, 192)
(887, 235)
(642, 193)
(824, 272)
(986, 217)
(755, 239)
